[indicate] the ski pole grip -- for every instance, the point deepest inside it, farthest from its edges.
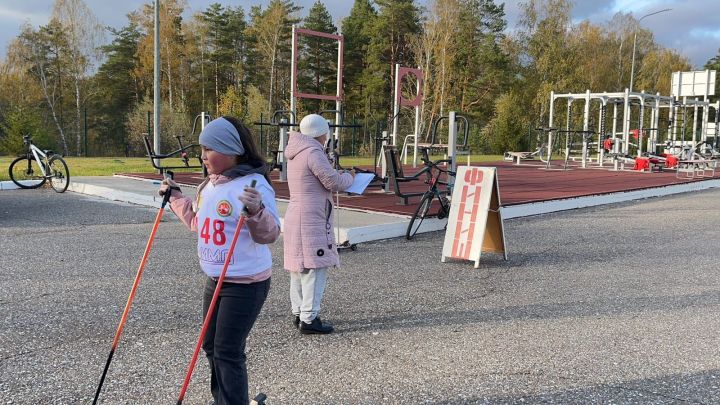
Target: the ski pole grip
(166, 195)
(244, 210)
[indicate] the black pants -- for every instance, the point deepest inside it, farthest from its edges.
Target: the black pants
(237, 309)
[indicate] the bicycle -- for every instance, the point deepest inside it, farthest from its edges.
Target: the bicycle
(426, 200)
(37, 166)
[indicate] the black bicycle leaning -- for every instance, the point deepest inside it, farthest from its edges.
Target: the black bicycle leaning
(37, 166)
(423, 209)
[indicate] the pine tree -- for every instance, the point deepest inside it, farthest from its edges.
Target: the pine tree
(482, 67)
(120, 89)
(396, 23)
(357, 33)
(224, 41)
(714, 64)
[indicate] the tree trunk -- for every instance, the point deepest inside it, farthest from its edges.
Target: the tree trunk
(78, 117)
(202, 74)
(272, 75)
(217, 90)
(169, 75)
(51, 104)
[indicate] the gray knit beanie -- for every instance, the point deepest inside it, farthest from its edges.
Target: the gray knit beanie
(221, 136)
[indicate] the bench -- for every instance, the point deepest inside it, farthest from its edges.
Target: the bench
(517, 157)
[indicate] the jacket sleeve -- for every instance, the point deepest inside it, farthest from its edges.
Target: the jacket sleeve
(264, 226)
(182, 207)
(330, 178)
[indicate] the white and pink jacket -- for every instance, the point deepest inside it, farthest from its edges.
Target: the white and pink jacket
(214, 216)
(309, 237)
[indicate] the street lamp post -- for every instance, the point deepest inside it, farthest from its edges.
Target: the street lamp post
(632, 68)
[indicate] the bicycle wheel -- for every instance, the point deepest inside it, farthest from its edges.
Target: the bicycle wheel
(26, 173)
(444, 210)
(59, 174)
(420, 214)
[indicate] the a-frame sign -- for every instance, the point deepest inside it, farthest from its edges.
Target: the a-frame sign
(475, 223)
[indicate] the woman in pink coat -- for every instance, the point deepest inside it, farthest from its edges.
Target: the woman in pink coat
(309, 237)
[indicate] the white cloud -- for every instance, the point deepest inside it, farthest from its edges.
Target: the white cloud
(705, 33)
(633, 6)
(18, 16)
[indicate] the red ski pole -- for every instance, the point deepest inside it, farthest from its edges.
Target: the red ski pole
(133, 290)
(211, 309)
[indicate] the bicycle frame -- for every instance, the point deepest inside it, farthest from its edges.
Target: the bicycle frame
(434, 179)
(434, 172)
(36, 152)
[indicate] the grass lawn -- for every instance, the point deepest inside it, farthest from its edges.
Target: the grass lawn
(107, 166)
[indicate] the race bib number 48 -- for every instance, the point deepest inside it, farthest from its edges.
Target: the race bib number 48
(216, 232)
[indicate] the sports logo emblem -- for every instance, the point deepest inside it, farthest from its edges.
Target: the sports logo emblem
(224, 208)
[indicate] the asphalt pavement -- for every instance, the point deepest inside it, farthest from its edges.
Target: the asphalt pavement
(613, 304)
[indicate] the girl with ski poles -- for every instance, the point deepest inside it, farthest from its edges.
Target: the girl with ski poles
(233, 163)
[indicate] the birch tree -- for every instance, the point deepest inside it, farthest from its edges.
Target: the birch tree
(84, 34)
(44, 51)
(270, 32)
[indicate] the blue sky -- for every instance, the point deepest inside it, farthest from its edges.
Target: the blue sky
(691, 27)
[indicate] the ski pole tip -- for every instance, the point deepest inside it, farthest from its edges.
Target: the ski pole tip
(259, 399)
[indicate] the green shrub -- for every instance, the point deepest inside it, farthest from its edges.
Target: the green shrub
(20, 122)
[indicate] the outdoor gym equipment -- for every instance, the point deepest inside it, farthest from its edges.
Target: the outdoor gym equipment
(540, 152)
(378, 160)
(452, 147)
(570, 141)
(133, 290)
(334, 145)
(396, 175)
(680, 111)
(36, 166)
(295, 94)
(518, 157)
(181, 152)
(278, 155)
(707, 150)
(390, 157)
(213, 302)
(399, 101)
(629, 102)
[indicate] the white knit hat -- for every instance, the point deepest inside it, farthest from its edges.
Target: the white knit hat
(314, 126)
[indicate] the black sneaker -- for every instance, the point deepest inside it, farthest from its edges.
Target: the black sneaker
(316, 327)
(296, 321)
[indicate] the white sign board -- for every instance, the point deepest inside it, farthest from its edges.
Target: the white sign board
(475, 222)
(699, 83)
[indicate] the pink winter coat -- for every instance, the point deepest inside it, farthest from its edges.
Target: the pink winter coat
(309, 236)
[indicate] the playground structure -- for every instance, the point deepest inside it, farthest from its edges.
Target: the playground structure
(646, 130)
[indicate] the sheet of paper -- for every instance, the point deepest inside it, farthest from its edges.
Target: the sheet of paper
(360, 182)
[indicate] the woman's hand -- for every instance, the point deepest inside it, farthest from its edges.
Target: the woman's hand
(252, 200)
